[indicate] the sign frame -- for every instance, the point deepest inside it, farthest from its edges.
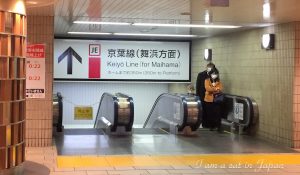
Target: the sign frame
(36, 71)
(128, 80)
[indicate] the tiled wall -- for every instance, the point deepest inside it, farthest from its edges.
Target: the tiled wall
(265, 75)
(89, 94)
(296, 94)
(39, 111)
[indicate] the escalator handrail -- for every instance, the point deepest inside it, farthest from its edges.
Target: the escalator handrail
(103, 95)
(123, 95)
(179, 96)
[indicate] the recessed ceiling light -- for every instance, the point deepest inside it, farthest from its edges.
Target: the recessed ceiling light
(89, 33)
(156, 35)
(135, 34)
(187, 25)
(161, 24)
(101, 22)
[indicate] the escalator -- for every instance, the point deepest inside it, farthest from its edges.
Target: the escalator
(171, 114)
(175, 112)
(115, 112)
(57, 106)
(240, 114)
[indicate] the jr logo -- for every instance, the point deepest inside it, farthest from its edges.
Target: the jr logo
(94, 61)
(94, 50)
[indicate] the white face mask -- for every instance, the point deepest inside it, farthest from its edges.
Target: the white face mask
(208, 69)
(214, 76)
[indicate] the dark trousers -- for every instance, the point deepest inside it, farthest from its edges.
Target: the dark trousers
(212, 115)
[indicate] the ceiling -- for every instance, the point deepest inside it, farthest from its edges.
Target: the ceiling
(245, 13)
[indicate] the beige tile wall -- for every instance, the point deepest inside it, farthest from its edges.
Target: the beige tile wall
(264, 75)
(39, 111)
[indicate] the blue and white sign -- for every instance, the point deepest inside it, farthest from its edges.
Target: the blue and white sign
(107, 60)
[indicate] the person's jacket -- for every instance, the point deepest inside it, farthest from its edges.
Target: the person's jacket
(211, 90)
(200, 87)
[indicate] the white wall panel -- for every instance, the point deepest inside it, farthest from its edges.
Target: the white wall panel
(89, 93)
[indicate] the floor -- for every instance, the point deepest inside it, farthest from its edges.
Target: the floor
(243, 156)
(157, 142)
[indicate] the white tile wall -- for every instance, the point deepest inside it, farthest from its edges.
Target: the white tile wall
(88, 93)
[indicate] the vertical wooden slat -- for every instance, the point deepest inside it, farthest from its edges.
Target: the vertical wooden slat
(2, 22)
(12, 89)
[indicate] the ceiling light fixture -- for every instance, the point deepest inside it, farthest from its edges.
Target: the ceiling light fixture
(134, 34)
(187, 25)
(89, 33)
(207, 54)
(266, 10)
(101, 22)
(156, 35)
(268, 41)
(207, 17)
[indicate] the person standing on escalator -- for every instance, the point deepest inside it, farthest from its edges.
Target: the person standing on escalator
(213, 86)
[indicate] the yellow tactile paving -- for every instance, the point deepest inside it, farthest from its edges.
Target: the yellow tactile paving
(168, 160)
(81, 161)
(178, 160)
(93, 161)
(131, 161)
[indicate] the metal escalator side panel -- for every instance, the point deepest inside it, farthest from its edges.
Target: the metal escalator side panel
(194, 118)
(250, 112)
(254, 113)
(200, 114)
(185, 115)
(115, 118)
(123, 111)
(60, 126)
(175, 110)
(107, 110)
(152, 109)
(57, 106)
(192, 112)
(114, 111)
(128, 127)
(96, 120)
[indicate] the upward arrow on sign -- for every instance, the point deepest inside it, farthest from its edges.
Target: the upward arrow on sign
(69, 53)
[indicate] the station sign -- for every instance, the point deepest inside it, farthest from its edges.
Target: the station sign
(119, 60)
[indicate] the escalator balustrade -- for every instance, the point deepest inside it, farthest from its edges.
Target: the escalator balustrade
(116, 112)
(175, 113)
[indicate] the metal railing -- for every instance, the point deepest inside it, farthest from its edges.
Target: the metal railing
(115, 111)
(175, 112)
